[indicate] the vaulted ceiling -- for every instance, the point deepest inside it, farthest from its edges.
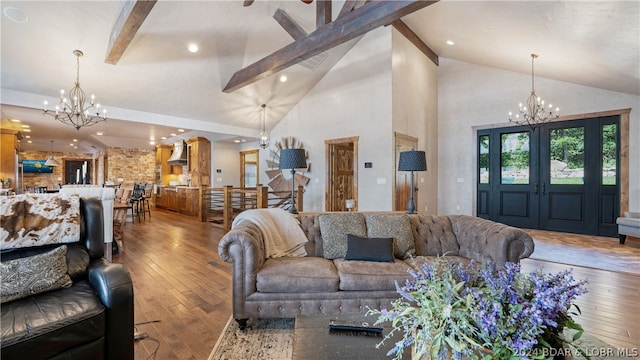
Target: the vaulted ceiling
(158, 86)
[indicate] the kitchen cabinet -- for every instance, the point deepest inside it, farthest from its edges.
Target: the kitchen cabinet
(185, 200)
(171, 200)
(199, 161)
(188, 201)
(164, 170)
(9, 146)
(159, 199)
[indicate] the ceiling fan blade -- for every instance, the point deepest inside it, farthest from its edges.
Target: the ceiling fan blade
(247, 2)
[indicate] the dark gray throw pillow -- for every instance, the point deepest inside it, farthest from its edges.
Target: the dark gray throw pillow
(369, 249)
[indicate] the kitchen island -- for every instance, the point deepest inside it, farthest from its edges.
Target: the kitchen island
(181, 199)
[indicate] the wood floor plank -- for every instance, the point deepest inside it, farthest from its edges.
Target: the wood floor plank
(180, 280)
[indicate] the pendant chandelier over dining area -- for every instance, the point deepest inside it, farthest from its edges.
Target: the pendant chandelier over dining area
(72, 110)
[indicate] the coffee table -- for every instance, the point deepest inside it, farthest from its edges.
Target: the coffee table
(313, 341)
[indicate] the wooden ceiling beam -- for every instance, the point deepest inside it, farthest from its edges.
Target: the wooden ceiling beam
(131, 17)
(323, 12)
(350, 5)
(358, 22)
(405, 30)
(347, 7)
(289, 25)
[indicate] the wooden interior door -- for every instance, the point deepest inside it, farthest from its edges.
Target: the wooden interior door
(402, 189)
(249, 168)
(342, 173)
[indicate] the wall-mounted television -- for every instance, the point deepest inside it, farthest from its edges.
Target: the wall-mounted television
(36, 167)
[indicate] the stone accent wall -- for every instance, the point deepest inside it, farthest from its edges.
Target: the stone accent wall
(52, 180)
(112, 164)
(130, 165)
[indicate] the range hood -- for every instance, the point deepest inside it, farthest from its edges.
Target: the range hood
(179, 154)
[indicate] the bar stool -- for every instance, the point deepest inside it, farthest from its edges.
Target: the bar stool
(136, 196)
(146, 200)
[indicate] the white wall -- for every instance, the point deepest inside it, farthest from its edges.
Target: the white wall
(226, 157)
(471, 95)
(415, 112)
(353, 99)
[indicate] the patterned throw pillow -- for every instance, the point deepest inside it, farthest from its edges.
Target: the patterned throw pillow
(334, 228)
(34, 274)
(397, 226)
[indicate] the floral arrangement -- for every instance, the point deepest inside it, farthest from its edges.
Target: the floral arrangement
(449, 310)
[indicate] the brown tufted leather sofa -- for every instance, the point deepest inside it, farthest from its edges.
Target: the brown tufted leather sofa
(286, 287)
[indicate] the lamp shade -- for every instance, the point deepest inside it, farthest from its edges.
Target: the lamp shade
(413, 160)
(51, 161)
(293, 159)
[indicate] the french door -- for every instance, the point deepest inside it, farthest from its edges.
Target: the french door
(562, 177)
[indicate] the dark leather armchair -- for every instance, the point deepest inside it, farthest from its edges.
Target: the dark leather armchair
(92, 319)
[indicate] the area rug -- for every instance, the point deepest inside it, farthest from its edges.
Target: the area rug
(262, 339)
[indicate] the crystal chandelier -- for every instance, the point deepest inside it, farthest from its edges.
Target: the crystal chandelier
(72, 110)
(533, 113)
(264, 135)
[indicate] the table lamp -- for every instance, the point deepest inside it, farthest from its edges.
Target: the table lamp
(293, 159)
(413, 160)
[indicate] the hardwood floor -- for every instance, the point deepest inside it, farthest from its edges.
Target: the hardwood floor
(180, 281)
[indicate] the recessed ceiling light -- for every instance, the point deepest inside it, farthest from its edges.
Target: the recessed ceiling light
(193, 48)
(26, 130)
(29, 141)
(15, 14)
(28, 136)
(25, 126)
(236, 141)
(172, 134)
(180, 130)
(283, 78)
(75, 140)
(15, 120)
(450, 42)
(163, 138)
(243, 140)
(99, 133)
(152, 142)
(72, 144)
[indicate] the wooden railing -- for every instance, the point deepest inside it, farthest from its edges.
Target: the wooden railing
(221, 205)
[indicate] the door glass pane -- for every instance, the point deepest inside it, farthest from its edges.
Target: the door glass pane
(514, 160)
(483, 150)
(609, 150)
(567, 156)
(250, 175)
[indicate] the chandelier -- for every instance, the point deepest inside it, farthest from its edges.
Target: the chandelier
(264, 135)
(72, 110)
(533, 113)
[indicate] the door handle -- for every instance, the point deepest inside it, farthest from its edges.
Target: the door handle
(543, 189)
(535, 188)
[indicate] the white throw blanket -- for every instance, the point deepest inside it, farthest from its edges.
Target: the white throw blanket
(280, 231)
